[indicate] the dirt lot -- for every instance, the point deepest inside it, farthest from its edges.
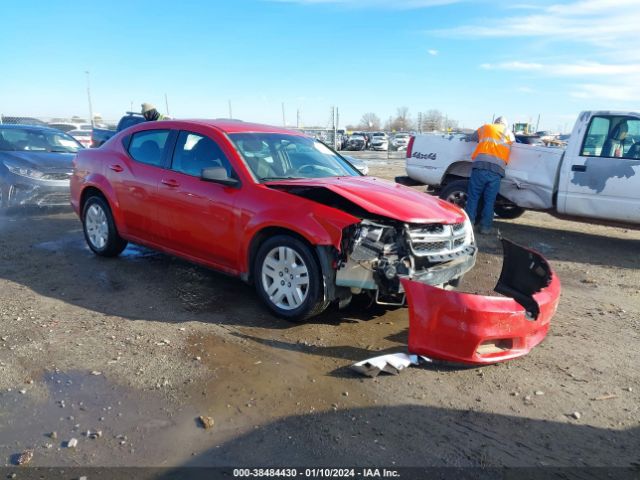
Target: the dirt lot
(138, 347)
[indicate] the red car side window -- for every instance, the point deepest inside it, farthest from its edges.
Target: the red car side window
(148, 146)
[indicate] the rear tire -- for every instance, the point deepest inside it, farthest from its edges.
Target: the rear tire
(99, 228)
(288, 278)
(455, 192)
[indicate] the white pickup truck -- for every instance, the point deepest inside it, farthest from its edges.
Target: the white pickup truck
(597, 176)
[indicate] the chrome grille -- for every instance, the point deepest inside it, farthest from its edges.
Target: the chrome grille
(436, 239)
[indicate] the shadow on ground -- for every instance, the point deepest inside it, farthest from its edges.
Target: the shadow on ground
(424, 436)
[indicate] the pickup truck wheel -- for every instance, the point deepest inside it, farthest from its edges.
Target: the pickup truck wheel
(288, 278)
(100, 229)
(508, 211)
(455, 192)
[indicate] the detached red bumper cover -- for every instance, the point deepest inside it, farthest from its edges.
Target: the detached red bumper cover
(478, 329)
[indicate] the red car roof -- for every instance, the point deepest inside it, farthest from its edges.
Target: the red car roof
(236, 126)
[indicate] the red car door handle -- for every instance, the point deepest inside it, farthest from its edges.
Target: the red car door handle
(170, 183)
(116, 168)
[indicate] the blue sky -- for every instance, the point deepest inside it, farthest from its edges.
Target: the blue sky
(469, 59)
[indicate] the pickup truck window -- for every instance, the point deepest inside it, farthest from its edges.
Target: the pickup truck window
(129, 120)
(612, 137)
(195, 152)
(148, 146)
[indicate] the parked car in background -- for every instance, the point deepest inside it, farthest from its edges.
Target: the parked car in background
(529, 139)
(379, 141)
(82, 136)
(35, 165)
(360, 164)
(272, 206)
(400, 141)
(66, 127)
(357, 141)
(101, 135)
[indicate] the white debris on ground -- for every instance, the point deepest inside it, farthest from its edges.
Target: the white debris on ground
(392, 363)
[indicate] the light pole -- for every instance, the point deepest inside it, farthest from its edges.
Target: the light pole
(89, 97)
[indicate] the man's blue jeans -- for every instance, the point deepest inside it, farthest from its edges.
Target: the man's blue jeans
(485, 185)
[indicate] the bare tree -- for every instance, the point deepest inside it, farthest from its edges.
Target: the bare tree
(433, 120)
(450, 124)
(370, 121)
(403, 120)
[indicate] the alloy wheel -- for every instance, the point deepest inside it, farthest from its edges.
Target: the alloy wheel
(96, 226)
(285, 278)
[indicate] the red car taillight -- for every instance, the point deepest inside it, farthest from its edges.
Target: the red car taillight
(410, 146)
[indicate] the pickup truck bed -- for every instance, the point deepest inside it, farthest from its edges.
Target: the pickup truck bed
(525, 186)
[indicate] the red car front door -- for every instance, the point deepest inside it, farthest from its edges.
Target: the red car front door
(197, 218)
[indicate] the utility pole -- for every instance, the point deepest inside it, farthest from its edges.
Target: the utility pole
(284, 121)
(89, 97)
(298, 118)
(166, 103)
(538, 124)
(419, 122)
(334, 114)
(230, 110)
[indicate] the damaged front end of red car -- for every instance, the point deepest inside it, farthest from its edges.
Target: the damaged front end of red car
(477, 329)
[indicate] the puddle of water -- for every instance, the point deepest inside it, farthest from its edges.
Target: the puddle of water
(138, 252)
(74, 241)
(78, 402)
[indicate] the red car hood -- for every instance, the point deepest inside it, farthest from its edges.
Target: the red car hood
(384, 198)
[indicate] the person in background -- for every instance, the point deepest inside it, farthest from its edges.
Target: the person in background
(150, 113)
(489, 161)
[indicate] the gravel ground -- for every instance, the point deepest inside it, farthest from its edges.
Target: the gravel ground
(139, 346)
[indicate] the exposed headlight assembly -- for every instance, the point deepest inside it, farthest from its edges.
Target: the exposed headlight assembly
(23, 170)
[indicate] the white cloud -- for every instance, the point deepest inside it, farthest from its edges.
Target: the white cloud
(433, 52)
(606, 68)
(387, 4)
(599, 22)
(567, 69)
(515, 66)
(618, 92)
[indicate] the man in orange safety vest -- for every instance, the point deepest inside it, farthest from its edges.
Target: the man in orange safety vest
(490, 158)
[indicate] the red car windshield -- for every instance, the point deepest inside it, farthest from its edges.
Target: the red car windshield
(274, 156)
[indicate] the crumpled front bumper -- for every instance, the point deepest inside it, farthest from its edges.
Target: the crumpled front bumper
(478, 329)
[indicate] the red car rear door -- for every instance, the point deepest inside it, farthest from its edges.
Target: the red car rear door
(197, 218)
(135, 176)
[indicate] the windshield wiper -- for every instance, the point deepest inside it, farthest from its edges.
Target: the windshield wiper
(279, 178)
(60, 151)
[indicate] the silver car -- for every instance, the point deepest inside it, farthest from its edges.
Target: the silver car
(35, 165)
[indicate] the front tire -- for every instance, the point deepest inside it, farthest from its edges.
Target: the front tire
(100, 229)
(288, 278)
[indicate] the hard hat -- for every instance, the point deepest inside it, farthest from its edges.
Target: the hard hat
(146, 107)
(501, 120)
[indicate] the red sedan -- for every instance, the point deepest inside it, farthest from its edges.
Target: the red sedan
(271, 206)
